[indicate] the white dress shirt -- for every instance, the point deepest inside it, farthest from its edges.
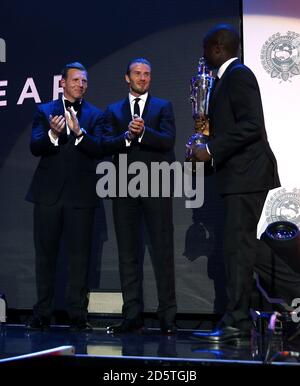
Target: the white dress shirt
(141, 102)
(55, 140)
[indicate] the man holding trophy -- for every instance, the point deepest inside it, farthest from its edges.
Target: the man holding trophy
(201, 89)
(245, 168)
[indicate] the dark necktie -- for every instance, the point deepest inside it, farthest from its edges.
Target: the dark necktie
(214, 85)
(136, 107)
(76, 105)
(216, 81)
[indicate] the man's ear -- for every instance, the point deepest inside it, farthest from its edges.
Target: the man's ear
(127, 78)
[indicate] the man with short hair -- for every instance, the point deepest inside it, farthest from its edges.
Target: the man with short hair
(245, 169)
(142, 127)
(66, 136)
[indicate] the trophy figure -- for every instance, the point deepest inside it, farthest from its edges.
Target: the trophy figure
(200, 89)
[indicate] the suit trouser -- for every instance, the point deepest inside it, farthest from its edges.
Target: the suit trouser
(50, 222)
(128, 216)
(242, 213)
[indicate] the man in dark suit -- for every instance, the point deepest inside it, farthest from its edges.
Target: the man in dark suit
(245, 169)
(66, 137)
(142, 127)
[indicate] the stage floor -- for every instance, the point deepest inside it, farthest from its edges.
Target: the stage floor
(151, 346)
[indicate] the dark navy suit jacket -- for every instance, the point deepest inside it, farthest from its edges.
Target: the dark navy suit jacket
(66, 166)
(242, 156)
(159, 137)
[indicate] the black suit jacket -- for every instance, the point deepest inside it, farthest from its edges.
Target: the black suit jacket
(159, 136)
(243, 159)
(65, 167)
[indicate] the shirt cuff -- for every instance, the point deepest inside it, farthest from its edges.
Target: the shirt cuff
(53, 140)
(207, 149)
(80, 137)
(127, 141)
(141, 137)
(212, 160)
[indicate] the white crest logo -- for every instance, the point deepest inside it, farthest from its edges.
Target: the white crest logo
(284, 206)
(280, 55)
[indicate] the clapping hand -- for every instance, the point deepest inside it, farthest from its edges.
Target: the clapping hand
(137, 126)
(72, 121)
(57, 125)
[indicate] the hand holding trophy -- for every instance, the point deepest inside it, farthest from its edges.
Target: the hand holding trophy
(200, 89)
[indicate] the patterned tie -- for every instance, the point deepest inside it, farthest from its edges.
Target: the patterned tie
(136, 107)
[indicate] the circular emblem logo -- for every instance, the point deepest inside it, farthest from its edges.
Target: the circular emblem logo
(284, 206)
(280, 55)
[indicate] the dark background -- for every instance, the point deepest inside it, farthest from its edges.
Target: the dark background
(41, 37)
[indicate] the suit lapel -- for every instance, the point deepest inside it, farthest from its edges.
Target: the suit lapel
(58, 108)
(126, 112)
(216, 90)
(83, 114)
(146, 108)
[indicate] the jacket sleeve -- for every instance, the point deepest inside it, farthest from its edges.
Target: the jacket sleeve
(92, 144)
(40, 144)
(163, 137)
(112, 135)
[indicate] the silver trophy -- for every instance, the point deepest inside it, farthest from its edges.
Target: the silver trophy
(200, 89)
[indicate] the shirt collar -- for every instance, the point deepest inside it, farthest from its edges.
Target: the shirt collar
(224, 66)
(143, 97)
(64, 98)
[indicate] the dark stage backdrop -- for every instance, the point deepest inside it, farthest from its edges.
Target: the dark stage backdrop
(40, 37)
